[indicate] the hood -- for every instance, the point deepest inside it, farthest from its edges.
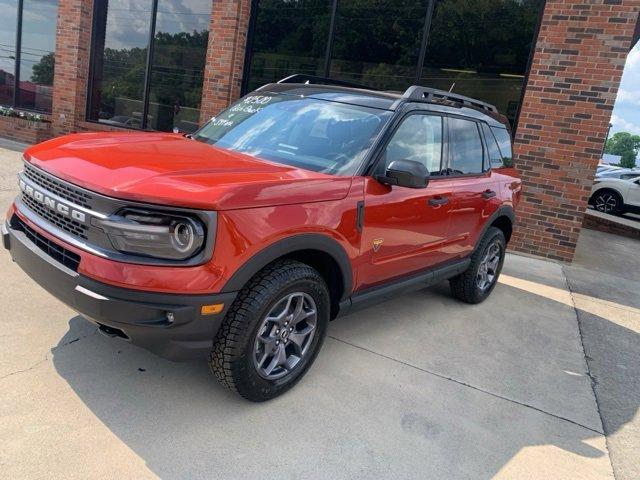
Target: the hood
(169, 169)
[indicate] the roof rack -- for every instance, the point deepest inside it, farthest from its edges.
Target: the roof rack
(433, 95)
(313, 80)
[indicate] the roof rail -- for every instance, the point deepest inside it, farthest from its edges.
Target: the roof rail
(313, 80)
(433, 95)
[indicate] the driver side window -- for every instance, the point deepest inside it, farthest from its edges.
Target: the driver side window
(418, 138)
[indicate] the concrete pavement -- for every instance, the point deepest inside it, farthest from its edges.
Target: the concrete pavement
(421, 387)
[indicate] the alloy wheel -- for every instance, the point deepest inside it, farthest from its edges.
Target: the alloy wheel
(606, 202)
(488, 269)
(285, 336)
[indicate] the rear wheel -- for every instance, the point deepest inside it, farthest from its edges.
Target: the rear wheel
(607, 201)
(480, 278)
(273, 331)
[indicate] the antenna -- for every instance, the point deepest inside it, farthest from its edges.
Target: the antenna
(452, 85)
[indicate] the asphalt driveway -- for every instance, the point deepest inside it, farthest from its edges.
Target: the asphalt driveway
(419, 387)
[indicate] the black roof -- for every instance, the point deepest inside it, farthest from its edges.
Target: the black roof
(355, 94)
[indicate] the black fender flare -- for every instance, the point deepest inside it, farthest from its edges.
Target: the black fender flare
(503, 211)
(289, 245)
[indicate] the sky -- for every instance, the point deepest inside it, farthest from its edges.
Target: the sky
(626, 111)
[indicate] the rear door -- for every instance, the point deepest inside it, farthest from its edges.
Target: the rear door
(407, 230)
(475, 190)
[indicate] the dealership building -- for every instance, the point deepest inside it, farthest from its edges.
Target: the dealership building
(553, 68)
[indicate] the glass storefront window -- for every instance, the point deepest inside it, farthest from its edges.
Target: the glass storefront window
(377, 42)
(178, 65)
(37, 59)
(290, 37)
(131, 89)
(121, 40)
(481, 48)
(35, 49)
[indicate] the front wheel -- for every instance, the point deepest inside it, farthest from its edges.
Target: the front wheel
(480, 278)
(607, 201)
(273, 331)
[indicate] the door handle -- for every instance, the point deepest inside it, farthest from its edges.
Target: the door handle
(437, 201)
(487, 194)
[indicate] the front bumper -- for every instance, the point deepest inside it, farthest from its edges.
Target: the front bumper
(139, 317)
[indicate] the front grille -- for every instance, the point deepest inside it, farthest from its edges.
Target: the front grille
(73, 195)
(62, 255)
(64, 223)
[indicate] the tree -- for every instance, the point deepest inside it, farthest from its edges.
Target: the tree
(42, 72)
(625, 145)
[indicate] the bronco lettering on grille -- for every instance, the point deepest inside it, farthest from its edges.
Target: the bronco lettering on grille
(51, 203)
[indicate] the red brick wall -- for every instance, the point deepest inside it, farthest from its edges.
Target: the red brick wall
(24, 131)
(574, 78)
(73, 43)
(225, 55)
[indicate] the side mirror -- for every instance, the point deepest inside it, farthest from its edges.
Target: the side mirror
(405, 173)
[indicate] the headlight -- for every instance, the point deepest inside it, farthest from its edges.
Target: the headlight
(154, 234)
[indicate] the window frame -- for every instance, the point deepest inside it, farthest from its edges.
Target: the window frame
(485, 170)
(484, 128)
(371, 169)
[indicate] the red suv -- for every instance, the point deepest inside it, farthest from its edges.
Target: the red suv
(301, 202)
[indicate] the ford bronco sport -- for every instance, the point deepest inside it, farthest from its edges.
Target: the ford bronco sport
(304, 200)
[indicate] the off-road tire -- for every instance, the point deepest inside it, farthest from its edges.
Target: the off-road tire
(465, 286)
(231, 359)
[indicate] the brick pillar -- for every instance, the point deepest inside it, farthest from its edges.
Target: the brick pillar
(225, 55)
(574, 78)
(73, 43)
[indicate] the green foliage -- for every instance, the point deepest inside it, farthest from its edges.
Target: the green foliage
(626, 145)
(42, 72)
(176, 76)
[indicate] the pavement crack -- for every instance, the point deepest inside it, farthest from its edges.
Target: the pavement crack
(17, 372)
(593, 379)
(40, 362)
(464, 384)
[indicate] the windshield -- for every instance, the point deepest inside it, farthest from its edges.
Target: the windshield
(303, 132)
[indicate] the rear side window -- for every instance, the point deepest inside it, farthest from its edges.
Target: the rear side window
(495, 157)
(504, 142)
(465, 146)
(418, 138)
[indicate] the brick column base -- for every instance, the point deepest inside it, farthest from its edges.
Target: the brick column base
(577, 65)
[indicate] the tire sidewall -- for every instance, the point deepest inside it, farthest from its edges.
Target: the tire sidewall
(492, 236)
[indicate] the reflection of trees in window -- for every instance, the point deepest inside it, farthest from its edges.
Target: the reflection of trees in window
(161, 92)
(378, 42)
(290, 36)
(481, 48)
(42, 72)
(481, 45)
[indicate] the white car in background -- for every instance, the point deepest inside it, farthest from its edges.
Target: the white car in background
(616, 195)
(618, 172)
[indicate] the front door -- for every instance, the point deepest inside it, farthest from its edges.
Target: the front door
(407, 230)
